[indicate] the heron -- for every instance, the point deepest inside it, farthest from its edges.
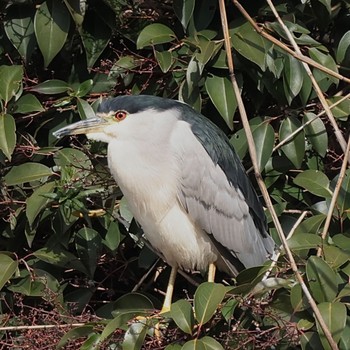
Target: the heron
(184, 184)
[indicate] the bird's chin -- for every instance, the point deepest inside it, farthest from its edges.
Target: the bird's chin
(98, 136)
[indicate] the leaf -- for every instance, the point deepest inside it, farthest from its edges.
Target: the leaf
(11, 79)
(193, 74)
(182, 314)
(113, 236)
(341, 110)
(221, 93)
(84, 109)
(95, 36)
(211, 344)
(343, 51)
(8, 267)
(334, 316)
(343, 199)
(51, 26)
(195, 344)
(28, 103)
(88, 245)
(311, 225)
(7, 135)
(36, 202)
(208, 49)
(335, 256)
(295, 148)
(207, 298)
(165, 60)
(26, 172)
(293, 76)
(315, 182)
(19, 28)
(298, 300)
(49, 87)
(75, 333)
(264, 139)
(154, 34)
(77, 10)
(135, 335)
(184, 10)
(250, 44)
(71, 156)
(301, 241)
(322, 279)
(316, 133)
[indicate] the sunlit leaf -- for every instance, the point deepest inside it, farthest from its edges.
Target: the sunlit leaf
(343, 51)
(135, 335)
(49, 87)
(28, 103)
(184, 11)
(264, 138)
(293, 76)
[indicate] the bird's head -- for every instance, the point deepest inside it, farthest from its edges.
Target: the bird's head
(126, 116)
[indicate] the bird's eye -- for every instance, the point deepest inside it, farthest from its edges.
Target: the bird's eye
(120, 115)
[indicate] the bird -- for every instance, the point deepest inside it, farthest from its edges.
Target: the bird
(184, 184)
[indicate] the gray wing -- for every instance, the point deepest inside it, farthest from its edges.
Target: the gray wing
(218, 195)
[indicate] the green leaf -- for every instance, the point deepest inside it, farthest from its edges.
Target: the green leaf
(335, 256)
(211, 344)
(84, 109)
(315, 182)
(293, 76)
(77, 10)
(28, 103)
(341, 110)
(11, 80)
(51, 26)
(195, 344)
(207, 298)
(298, 300)
(71, 156)
(295, 148)
(135, 335)
(343, 199)
(84, 88)
(154, 34)
(264, 139)
(165, 60)
(75, 333)
(182, 314)
(50, 87)
(221, 93)
(28, 286)
(316, 133)
(8, 267)
(113, 236)
(88, 246)
(334, 316)
(343, 51)
(303, 241)
(19, 28)
(184, 10)
(322, 279)
(26, 172)
(7, 135)
(312, 224)
(36, 202)
(250, 44)
(95, 36)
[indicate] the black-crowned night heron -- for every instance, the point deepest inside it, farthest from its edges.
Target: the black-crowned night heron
(184, 184)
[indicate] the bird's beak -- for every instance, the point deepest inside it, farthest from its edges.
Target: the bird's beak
(87, 126)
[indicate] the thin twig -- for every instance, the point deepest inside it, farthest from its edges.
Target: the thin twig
(43, 326)
(260, 181)
(315, 85)
(335, 197)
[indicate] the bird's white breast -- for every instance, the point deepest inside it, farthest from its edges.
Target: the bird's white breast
(149, 181)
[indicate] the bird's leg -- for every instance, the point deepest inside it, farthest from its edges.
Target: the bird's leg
(211, 272)
(169, 291)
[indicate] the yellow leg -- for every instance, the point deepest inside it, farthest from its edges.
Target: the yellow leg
(169, 291)
(211, 272)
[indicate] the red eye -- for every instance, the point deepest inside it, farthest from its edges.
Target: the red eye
(120, 115)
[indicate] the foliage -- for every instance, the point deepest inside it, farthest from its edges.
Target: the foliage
(69, 246)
